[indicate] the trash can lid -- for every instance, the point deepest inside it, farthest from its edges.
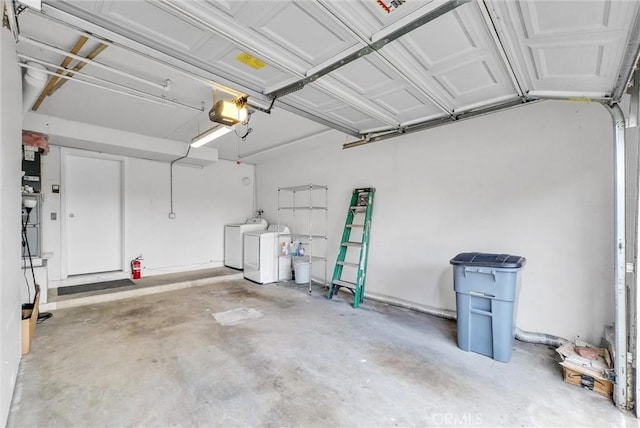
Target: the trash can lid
(506, 261)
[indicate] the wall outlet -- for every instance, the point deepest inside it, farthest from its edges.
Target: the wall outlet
(172, 216)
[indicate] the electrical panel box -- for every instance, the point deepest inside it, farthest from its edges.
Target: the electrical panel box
(31, 167)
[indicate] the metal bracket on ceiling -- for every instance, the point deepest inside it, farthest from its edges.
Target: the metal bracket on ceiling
(258, 105)
(372, 47)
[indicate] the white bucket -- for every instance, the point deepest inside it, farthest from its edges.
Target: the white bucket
(302, 269)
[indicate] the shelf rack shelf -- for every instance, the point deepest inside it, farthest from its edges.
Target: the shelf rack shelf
(304, 209)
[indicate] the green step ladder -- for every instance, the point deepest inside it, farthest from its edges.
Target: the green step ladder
(360, 208)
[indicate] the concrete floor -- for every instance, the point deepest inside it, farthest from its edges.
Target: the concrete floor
(164, 360)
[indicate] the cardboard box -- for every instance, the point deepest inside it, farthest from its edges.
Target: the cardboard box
(601, 386)
(29, 320)
(589, 373)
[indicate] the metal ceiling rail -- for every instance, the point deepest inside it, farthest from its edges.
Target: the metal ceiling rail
(421, 126)
(371, 47)
(124, 90)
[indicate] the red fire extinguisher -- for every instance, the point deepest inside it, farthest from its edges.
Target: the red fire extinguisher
(136, 267)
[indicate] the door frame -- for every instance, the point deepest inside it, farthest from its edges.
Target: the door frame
(64, 153)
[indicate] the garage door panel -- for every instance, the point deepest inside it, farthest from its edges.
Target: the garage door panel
(366, 75)
(462, 80)
(566, 17)
(303, 30)
(185, 28)
(454, 59)
(447, 38)
(565, 46)
(368, 18)
(228, 59)
(319, 101)
(572, 66)
(352, 116)
(231, 8)
(407, 105)
(311, 97)
(382, 85)
(152, 21)
(476, 55)
(572, 59)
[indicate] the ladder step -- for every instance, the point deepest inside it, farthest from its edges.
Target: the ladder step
(361, 208)
(348, 264)
(351, 244)
(346, 284)
(355, 225)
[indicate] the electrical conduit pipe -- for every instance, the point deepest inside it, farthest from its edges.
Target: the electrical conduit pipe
(521, 335)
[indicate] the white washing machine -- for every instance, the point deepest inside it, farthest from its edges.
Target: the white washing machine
(261, 251)
(233, 243)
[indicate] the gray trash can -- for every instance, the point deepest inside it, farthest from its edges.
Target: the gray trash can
(487, 288)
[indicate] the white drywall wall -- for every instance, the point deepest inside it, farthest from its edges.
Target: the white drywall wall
(205, 199)
(534, 181)
(10, 201)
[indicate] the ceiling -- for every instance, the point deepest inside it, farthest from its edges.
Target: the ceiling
(352, 66)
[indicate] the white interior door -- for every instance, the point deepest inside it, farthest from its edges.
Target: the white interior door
(93, 214)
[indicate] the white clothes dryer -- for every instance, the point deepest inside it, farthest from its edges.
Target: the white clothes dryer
(233, 243)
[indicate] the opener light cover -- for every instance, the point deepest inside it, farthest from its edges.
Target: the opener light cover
(227, 113)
